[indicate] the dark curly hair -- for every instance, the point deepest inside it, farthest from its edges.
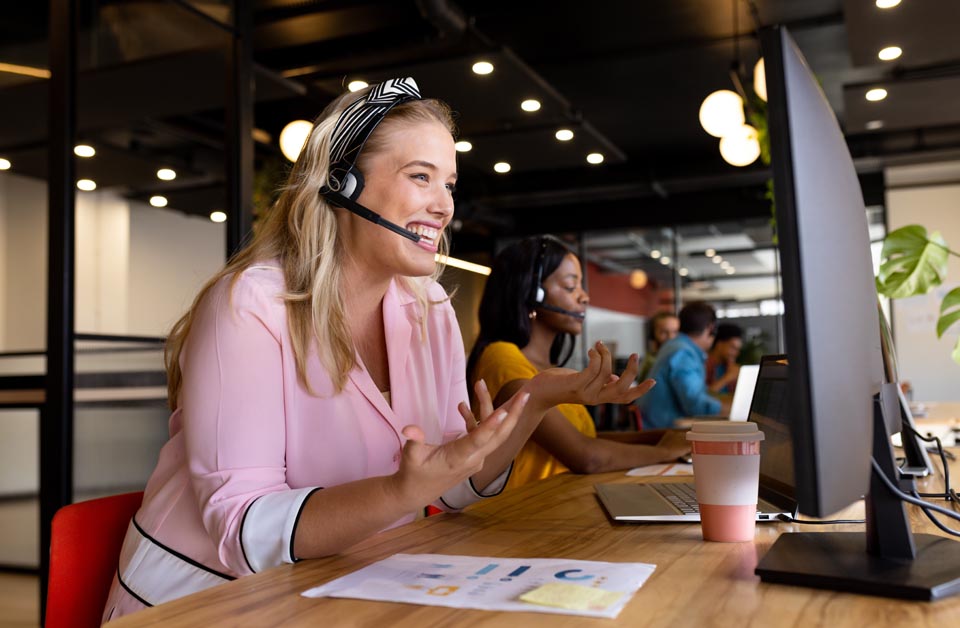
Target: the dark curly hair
(510, 294)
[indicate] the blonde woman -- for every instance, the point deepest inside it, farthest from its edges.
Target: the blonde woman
(318, 383)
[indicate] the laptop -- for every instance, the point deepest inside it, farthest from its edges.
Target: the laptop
(663, 502)
(739, 406)
(743, 393)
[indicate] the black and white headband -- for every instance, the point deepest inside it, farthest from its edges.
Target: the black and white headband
(356, 124)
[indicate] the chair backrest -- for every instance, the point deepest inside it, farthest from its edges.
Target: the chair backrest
(85, 542)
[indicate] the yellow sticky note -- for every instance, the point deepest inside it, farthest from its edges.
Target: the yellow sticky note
(571, 596)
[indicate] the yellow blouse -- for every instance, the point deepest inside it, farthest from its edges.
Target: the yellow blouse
(502, 362)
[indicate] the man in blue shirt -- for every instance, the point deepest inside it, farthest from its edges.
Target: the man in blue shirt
(680, 371)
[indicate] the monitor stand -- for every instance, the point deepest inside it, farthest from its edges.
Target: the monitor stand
(889, 560)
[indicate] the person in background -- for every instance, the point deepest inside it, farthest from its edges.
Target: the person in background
(533, 306)
(662, 327)
(318, 381)
(722, 367)
(680, 371)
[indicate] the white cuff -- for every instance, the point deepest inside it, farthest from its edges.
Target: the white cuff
(266, 534)
(465, 493)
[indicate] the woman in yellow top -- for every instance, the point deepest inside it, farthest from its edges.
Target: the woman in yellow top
(532, 307)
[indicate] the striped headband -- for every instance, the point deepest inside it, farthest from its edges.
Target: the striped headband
(359, 120)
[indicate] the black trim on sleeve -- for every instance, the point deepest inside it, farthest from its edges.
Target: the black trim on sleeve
(480, 494)
(243, 550)
(130, 592)
(447, 504)
(296, 522)
(178, 554)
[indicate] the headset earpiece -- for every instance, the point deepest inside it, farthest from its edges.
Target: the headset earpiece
(351, 185)
(539, 296)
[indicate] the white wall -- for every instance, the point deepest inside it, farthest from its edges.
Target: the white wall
(103, 247)
(924, 360)
(624, 332)
(137, 267)
(171, 257)
(25, 263)
(4, 177)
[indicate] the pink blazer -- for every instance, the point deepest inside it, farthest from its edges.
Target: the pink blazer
(248, 443)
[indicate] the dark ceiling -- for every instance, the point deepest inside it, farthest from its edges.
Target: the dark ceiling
(627, 76)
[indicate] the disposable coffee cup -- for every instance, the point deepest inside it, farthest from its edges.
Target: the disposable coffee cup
(726, 474)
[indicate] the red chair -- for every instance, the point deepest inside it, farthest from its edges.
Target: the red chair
(85, 541)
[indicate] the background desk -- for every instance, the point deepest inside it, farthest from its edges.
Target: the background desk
(696, 583)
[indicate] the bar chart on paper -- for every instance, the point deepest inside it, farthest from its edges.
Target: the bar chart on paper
(591, 588)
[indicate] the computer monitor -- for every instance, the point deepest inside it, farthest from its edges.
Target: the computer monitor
(842, 411)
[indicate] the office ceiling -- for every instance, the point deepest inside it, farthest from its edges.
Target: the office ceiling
(627, 77)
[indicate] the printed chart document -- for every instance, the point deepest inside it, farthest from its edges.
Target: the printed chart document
(573, 587)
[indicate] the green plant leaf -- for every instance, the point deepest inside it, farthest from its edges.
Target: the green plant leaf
(913, 262)
(956, 352)
(950, 302)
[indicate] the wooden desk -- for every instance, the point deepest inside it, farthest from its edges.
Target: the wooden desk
(694, 582)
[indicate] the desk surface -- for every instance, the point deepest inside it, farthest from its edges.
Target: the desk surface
(558, 517)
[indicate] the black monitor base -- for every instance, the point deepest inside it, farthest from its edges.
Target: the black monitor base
(839, 561)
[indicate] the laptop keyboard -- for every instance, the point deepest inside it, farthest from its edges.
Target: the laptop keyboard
(681, 495)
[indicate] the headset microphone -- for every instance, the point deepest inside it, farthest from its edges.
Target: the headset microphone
(560, 310)
(351, 205)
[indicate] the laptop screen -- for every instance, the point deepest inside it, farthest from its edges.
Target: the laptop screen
(769, 412)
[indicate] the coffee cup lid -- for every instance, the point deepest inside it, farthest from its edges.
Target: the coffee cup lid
(725, 431)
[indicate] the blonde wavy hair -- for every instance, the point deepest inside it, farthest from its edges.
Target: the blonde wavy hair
(300, 231)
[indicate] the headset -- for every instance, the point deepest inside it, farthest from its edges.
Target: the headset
(538, 295)
(348, 191)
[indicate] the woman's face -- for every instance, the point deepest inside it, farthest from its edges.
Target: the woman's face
(563, 288)
(409, 182)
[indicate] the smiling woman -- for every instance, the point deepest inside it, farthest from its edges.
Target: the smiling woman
(317, 382)
(533, 305)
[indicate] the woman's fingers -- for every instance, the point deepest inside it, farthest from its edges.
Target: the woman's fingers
(414, 433)
(485, 403)
(468, 419)
(492, 430)
(600, 378)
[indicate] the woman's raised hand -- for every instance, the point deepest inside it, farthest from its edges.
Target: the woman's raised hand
(428, 471)
(595, 384)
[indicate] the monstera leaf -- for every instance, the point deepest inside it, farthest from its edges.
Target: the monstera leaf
(950, 314)
(912, 262)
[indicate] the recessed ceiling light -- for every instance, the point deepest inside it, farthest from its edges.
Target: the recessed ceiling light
(877, 93)
(564, 135)
(501, 167)
(5, 164)
(595, 158)
(665, 260)
(710, 252)
(655, 254)
(356, 86)
(716, 259)
(890, 53)
(87, 185)
(873, 125)
(887, 4)
(482, 67)
(158, 201)
(166, 174)
(218, 216)
(730, 270)
(463, 146)
(531, 105)
(84, 150)
(683, 272)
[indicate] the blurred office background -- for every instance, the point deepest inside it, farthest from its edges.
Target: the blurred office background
(584, 123)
